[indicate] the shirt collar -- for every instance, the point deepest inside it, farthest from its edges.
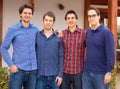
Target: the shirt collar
(76, 30)
(54, 32)
(20, 24)
(98, 28)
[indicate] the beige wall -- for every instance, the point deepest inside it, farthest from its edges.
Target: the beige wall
(11, 15)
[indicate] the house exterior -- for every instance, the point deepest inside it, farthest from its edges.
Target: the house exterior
(9, 14)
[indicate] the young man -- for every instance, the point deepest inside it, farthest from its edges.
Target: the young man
(23, 63)
(74, 46)
(49, 55)
(100, 54)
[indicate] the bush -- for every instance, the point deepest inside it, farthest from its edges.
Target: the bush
(4, 78)
(115, 78)
(113, 81)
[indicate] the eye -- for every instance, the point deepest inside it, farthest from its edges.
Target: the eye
(93, 16)
(27, 13)
(30, 13)
(70, 18)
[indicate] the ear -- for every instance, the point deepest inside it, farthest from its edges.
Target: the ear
(20, 16)
(99, 16)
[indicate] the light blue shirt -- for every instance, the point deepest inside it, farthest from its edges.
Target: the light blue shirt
(23, 42)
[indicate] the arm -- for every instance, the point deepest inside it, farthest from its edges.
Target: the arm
(60, 73)
(110, 55)
(6, 45)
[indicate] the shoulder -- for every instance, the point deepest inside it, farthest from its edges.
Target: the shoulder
(39, 32)
(83, 31)
(65, 30)
(14, 27)
(57, 37)
(34, 26)
(106, 30)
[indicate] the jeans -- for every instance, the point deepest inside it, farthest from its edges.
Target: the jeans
(72, 80)
(93, 81)
(23, 78)
(46, 82)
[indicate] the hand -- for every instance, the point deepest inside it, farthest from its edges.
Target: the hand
(107, 78)
(58, 80)
(13, 69)
(60, 34)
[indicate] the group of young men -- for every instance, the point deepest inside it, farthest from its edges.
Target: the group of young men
(48, 59)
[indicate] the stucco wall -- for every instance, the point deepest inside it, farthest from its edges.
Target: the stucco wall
(11, 14)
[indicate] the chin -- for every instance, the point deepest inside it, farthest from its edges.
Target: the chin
(27, 21)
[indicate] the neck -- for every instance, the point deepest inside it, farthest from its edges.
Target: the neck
(48, 33)
(94, 27)
(25, 24)
(72, 29)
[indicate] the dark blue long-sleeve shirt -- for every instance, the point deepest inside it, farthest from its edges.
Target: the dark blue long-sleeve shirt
(49, 54)
(100, 50)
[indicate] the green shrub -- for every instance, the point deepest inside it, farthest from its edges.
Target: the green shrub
(4, 78)
(115, 78)
(118, 65)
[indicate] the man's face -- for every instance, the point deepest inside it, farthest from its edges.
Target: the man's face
(48, 22)
(71, 20)
(93, 18)
(26, 15)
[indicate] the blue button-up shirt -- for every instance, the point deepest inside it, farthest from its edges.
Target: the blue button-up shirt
(23, 42)
(49, 55)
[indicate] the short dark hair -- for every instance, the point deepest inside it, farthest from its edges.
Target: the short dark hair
(71, 12)
(96, 10)
(49, 13)
(26, 6)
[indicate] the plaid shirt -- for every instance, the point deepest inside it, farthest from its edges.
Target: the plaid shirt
(74, 47)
